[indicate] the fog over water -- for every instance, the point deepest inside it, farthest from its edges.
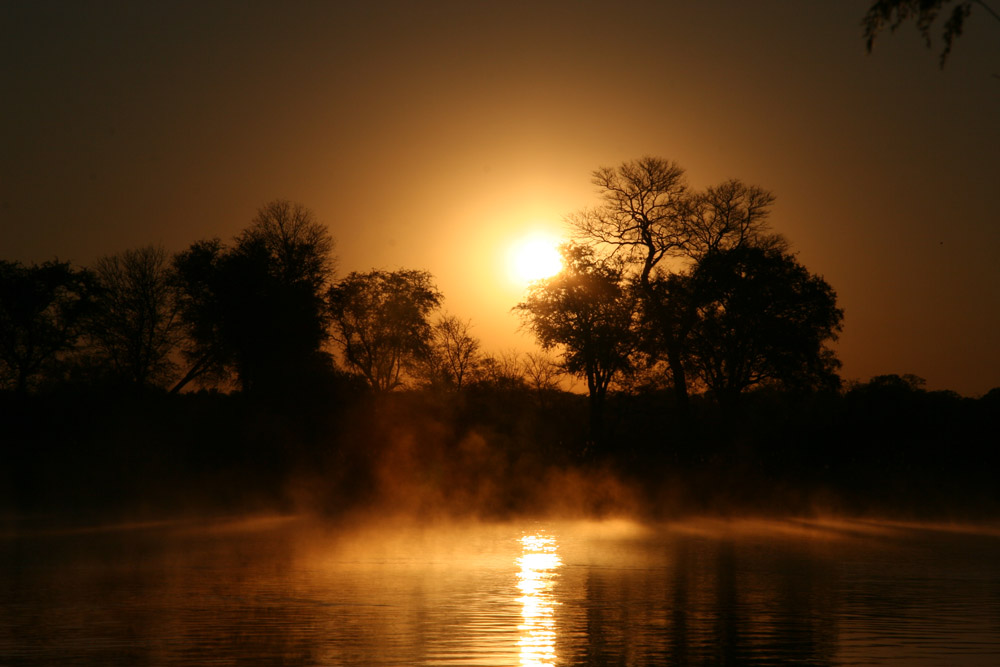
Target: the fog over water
(297, 591)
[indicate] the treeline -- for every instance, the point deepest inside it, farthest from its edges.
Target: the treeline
(264, 315)
(246, 375)
(496, 450)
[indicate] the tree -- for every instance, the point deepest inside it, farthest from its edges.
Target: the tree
(43, 312)
(587, 312)
(641, 220)
(726, 216)
(258, 309)
(380, 320)
(893, 13)
(541, 371)
(206, 301)
(502, 371)
(454, 356)
(761, 317)
(650, 218)
(297, 250)
(136, 325)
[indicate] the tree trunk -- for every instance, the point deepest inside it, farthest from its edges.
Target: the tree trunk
(596, 434)
(675, 330)
(679, 376)
(198, 368)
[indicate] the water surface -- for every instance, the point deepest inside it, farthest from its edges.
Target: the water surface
(285, 591)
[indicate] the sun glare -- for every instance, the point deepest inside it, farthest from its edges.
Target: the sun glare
(534, 258)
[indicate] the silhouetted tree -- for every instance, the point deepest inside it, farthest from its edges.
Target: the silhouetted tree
(502, 371)
(454, 356)
(541, 371)
(891, 14)
(206, 299)
(295, 248)
(649, 215)
(761, 317)
(642, 218)
(136, 325)
(380, 321)
(588, 313)
(43, 311)
(668, 312)
(727, 216)
(906, 383)
(258, 309)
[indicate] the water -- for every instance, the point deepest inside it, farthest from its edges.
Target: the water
(286, 592)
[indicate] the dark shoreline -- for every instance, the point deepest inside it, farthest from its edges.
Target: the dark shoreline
(497, 453)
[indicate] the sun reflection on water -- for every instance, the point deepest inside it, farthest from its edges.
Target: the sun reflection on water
(536, 579)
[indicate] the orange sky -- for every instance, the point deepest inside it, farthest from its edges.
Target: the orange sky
(432, 135)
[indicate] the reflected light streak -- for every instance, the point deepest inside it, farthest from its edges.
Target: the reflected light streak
(536, 580)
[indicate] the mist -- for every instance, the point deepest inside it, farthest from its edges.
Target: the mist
(484, 526)
(488, 454)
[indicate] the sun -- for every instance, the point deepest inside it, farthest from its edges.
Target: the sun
(534, 258)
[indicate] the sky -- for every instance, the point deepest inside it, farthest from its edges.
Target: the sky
(434, 135)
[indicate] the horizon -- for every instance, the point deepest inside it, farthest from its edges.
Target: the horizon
(435, 138)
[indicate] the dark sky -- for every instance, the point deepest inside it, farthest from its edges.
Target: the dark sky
(434, 134)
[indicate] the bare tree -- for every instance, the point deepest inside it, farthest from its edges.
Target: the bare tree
(726, 216)
(297, 246)
(502, 370)
(642, 219)
(137, 324)
(541, 371)
(454, 357)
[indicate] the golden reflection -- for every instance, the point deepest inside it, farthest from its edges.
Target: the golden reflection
(539, 562)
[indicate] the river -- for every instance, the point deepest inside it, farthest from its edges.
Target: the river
(289, 591)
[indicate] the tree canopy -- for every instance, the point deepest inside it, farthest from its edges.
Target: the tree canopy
(761, 317)
(293, 246)
(652, 221)
(43, 311)
(136, 325)
(380, 320)
(258, 309)
(454, 358)
(587, 313)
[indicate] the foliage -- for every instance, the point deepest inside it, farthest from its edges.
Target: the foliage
(204, 293)
(907, 382)
(380, 321)
(893, 13)
(656, 225)
(761, 317)
(258, 309)
(587, 312)
(667, 315)
(136, 326)
(43, 311)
